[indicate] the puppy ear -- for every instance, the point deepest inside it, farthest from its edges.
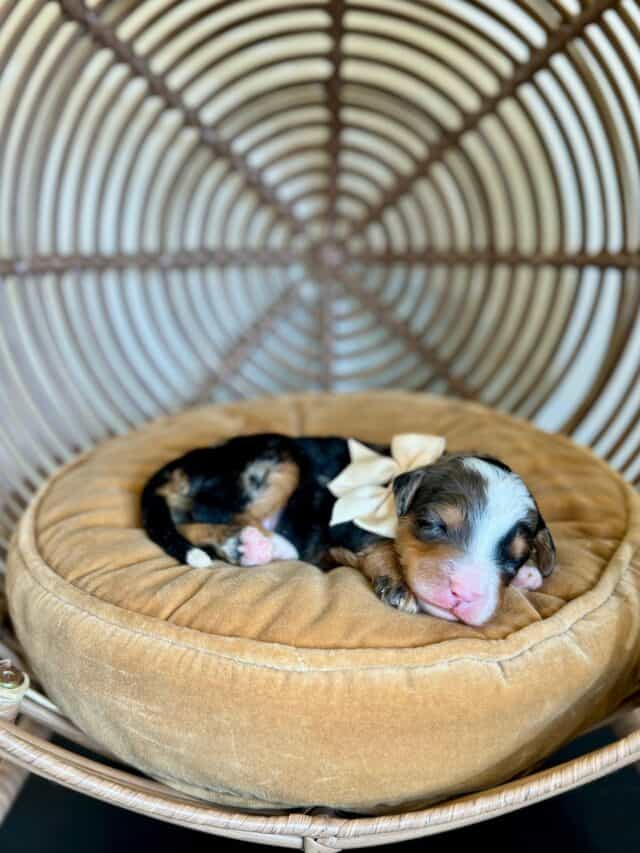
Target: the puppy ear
(544, 549)
(404, 489)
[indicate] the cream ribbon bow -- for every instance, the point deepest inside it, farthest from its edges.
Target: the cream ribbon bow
(364, 488)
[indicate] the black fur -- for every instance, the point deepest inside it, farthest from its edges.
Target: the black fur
(217, 495)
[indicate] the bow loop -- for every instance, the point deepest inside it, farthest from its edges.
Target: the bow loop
(364, 488)
(367, 468)
(413, 450)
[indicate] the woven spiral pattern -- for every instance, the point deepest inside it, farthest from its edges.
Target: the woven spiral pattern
(208, 200)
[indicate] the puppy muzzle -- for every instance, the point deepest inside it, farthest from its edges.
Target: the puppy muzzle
(463, 589)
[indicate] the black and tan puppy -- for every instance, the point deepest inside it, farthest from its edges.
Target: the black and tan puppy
(467, 527)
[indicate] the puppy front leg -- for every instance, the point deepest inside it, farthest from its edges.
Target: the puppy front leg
(379, 563)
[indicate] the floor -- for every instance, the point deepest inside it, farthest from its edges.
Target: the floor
(603, 817)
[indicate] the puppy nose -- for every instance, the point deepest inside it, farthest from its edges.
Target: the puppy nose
(469, 581)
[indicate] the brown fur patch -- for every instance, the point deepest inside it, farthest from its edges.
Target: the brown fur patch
(217, 534)
(421, 561)
(176, 491)
(278, 483)
(518, 547)
(379, 563)
(345, 557)
(206, 534)
(379, 560)
(451, 514)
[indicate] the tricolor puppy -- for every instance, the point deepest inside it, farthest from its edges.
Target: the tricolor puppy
(466, 524)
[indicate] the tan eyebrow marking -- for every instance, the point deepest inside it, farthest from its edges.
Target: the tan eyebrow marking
(276, 483)
(176, 491)
(518, 546)
(452, 515)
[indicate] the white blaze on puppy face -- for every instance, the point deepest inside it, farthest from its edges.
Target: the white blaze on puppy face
(508, 502)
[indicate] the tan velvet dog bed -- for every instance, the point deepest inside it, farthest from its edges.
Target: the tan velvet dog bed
(282, 686)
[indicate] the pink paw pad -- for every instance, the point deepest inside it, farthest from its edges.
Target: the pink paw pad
(256, 548)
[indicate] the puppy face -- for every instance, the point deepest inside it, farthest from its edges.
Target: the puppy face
(467, 526)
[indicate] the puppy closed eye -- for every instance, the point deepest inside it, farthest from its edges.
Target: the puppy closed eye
(432, 527)
(443, 520)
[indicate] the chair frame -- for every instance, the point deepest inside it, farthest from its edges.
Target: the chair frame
(510, 369)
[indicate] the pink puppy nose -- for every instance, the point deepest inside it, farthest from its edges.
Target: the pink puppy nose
(469, 581)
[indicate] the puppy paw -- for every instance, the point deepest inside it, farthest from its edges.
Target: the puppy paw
(396, 594)
(283, 549)
(198, 558)
(250, 547)
(254, 548)
(231, 550)
(528, 577)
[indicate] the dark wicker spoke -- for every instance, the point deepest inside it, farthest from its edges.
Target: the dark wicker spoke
(39, 265)
(247, 344)
(217, 258)
(523, 73)
(104, 36)
(355, 287)
(581, 260)
(334, 87)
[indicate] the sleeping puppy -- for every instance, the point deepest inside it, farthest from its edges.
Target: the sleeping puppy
(468, 525)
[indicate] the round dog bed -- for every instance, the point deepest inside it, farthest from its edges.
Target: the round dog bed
(283, 686)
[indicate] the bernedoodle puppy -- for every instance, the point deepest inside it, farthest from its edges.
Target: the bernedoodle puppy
(463, 527)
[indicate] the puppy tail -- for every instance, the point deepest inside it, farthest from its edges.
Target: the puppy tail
(158, 520)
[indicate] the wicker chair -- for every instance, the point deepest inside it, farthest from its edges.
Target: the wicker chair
(215, 199)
